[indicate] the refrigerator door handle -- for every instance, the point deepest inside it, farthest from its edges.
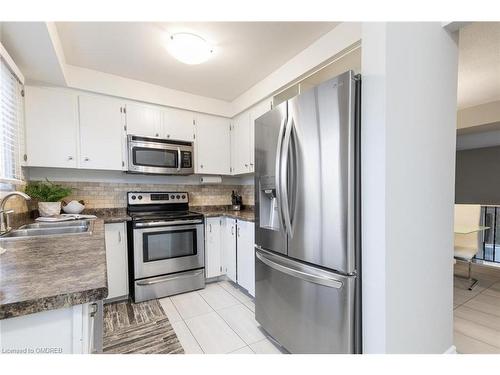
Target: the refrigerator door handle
(300, 273)
(277, 177)
(285, 204)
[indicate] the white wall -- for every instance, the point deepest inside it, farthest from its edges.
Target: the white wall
(408, 158)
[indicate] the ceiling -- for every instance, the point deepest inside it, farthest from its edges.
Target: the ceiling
(479, 64)
(245, 52)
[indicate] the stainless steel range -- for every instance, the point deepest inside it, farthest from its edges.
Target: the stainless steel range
(166, 245)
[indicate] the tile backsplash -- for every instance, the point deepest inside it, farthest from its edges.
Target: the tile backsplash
(113, 194)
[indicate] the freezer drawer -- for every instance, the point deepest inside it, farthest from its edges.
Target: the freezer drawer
(305, 309)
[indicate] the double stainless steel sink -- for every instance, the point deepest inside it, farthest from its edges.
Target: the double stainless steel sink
(51, 229)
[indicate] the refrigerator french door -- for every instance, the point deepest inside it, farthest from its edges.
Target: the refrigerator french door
(307, 219)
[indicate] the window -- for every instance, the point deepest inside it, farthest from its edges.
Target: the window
(11, 126)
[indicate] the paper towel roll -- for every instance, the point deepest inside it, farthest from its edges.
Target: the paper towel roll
(211, 179)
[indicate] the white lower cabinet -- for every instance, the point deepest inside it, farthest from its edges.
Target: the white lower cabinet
(213, 247)
(246, 256)
(229, 251)
(70, 330)
(115, 237)
(229, 248)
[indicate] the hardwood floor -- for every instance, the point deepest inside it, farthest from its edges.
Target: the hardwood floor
(477, 312)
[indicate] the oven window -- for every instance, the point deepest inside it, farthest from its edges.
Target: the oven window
(151, 157)
(169, 244)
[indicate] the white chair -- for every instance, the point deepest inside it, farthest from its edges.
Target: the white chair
(467, 245)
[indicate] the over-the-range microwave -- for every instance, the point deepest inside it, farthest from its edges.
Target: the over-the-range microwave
(159, 156)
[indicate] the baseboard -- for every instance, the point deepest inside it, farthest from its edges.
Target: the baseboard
(451, 350)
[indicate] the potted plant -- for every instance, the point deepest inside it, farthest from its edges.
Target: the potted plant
(48, 195)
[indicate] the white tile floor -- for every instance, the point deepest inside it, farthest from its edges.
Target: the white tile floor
(477, 312)
(218, 319)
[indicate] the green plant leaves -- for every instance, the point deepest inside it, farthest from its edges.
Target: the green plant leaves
(47, 191)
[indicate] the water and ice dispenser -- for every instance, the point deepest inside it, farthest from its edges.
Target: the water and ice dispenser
(268, 203)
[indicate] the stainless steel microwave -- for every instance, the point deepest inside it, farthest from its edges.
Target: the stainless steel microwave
(159, 156)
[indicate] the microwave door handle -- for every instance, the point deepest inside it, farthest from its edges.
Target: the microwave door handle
(178, 158)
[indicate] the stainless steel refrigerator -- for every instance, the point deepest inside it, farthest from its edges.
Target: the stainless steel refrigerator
(307, 224)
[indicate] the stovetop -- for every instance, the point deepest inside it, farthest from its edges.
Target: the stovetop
(159, 205)
(164, 215)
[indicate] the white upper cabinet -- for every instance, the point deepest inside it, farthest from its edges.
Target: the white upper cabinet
(240, 144)
(144, 120)
(255, 113)
(159, 122)
(177, 124)
(242, 138)
(51, 127)
(101, 133)
(212, 145)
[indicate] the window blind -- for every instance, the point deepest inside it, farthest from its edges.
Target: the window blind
(11, 126)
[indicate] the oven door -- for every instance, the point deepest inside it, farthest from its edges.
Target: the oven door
(145, 156)
(167, 249)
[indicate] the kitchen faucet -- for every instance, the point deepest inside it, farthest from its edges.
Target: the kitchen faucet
(4, 215)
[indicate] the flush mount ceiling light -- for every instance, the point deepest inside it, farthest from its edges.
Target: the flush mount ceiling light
(189, 48)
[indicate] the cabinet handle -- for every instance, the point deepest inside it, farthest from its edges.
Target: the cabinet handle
(232, 230)
(201, 165)
(120, 237)
(168, 135)
(86, 159)
(251, 164)
(210, 227)
(157, 135)
(238, 231)
(70, 157)
(246, 165)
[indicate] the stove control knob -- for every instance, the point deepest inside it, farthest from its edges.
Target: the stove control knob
(178, 197)
(172, 196)
(183, 196)
(133, 197)
(140, 197)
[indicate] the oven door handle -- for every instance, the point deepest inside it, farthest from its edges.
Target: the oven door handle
(162, 279)
(166, 223)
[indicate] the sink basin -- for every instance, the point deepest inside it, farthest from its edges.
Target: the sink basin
(60, 224)
(51, 229)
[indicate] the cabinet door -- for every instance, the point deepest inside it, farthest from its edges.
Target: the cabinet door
(240, 144)
(144, 120)
(212, 145)
(177, 124)
(116, 259)
(255, 113)
(246, 257)
(229, 248)
(101, 133)
(51, 128)
(213, 248)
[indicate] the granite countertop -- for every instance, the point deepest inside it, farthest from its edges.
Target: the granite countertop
(246, 214)
(110, 215)
(48, 273)
(118, 215)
